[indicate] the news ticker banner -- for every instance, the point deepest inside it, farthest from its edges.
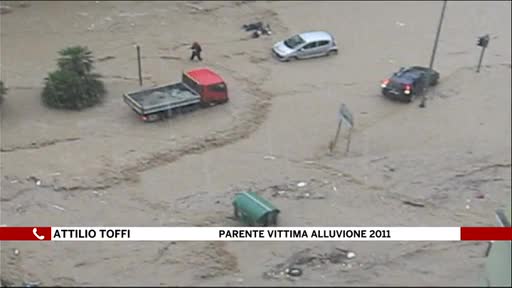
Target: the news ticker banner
(255, 234)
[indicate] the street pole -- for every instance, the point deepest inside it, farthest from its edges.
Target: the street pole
(347, 149)
(140, 66)
(480, 61)
(333, 143)
(482, 41)
(432, 57)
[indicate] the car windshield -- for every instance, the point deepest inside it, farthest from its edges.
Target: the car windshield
(294, 41)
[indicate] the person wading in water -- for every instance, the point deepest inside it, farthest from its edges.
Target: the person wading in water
(196, 51)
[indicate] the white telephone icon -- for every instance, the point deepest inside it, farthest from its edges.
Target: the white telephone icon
(40, 237)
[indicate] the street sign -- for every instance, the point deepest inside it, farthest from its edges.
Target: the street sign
(344, 114)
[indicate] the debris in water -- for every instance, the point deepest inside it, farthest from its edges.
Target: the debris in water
(391, 169)
(38, 182)
(295, 272)
(346, 253)
(58, 207)
(334, 188)
(415, 204)
(16, 252)
(55, 174)
(83, 14)
(480, 196)
(105, 58)
(269, 157)
(378, 159)
(14, 181)
(193, 6)
(467, 206)
(400, 23)
(301, 184)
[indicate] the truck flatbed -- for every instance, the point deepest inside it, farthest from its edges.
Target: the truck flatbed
(162, 98)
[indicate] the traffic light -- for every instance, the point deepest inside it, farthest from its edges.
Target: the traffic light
(483, 41)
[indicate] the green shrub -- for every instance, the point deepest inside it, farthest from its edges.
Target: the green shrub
(73, 85)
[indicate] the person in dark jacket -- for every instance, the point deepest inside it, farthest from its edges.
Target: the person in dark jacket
(196, 51)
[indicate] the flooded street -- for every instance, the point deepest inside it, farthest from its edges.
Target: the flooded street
(104, 167)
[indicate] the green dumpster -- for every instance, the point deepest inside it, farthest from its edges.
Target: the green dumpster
(253, 210)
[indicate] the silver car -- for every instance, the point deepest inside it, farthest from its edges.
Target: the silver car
(305, 45)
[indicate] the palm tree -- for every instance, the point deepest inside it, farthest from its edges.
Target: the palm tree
(73, 85)
(77, 58)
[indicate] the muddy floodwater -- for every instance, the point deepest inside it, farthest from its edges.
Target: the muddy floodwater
(447, 164)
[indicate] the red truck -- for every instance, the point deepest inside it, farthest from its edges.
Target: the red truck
(198, 88)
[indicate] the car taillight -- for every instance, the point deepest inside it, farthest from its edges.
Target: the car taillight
(407, 89)
(384, 83)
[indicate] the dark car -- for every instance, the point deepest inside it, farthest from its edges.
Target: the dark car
(407, 83)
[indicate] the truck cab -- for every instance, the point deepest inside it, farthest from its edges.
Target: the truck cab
(207, 84)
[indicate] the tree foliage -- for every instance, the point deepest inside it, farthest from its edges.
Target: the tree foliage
(74, 85)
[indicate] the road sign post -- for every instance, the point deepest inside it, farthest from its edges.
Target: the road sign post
(333, 143)
(139, 64)
(344, 115)
(347, 148)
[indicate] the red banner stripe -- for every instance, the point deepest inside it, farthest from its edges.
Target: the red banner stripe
(486, 233)
(25, 233)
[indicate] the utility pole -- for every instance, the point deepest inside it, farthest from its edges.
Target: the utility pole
(432, 57)
(140, 66)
